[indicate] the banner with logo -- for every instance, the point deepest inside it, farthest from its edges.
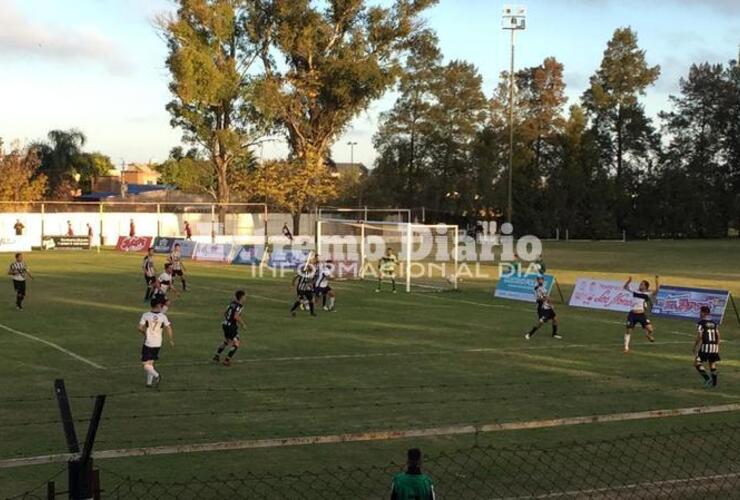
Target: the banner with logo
(288, 258)
(213, 252)
(15, 244)
(601, 294)
(249, 255)
(685, 303)
(133, 243)
(521, 286)
(163, 245)
(66, 243)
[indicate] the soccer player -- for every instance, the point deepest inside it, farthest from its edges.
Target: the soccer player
(412, 484)
(188, 231)
(706, 347)
(150, 274)
(388, 265)
(642, 300)
(18, 271)
(131, 229)
(304, 283)
(178, 268)
(70, 231)
(232, 322)
(151, 325)
(323, 285)
(545, 311)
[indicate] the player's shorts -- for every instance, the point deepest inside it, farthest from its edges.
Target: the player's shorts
(708, 357)
(19, 287)
(322, 290)
(149, 353)
(546, 315)
(305, 295)
(634, 318)
(231, 332)
(388, 274)
(149, 279)
(177, 272)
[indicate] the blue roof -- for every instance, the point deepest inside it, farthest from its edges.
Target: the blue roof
(133, 189)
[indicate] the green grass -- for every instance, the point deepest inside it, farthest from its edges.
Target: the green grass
(415, 360)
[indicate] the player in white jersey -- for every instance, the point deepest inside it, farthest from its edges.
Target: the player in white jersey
(642, 300)
(18, 271)
(545, 311)
(151, 325)
(324, 274)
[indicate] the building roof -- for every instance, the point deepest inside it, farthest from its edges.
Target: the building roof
(131, 189)
(343, 168)
(140, 168)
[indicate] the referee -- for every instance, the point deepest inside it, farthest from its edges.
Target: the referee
(18, 271)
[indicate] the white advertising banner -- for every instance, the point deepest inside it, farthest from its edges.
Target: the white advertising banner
(218, 252)
(15, 244)
(601, 294)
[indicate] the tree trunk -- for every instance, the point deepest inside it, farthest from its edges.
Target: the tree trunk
(223, 190)
(296, 223)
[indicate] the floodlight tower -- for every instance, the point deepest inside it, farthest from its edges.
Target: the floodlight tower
(514, 19)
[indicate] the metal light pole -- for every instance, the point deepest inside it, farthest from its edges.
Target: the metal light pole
(513, 19)
(352, 145)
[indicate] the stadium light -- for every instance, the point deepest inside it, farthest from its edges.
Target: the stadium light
(514, 19)
(352, 145)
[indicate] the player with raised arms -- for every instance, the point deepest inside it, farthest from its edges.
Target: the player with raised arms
(706, 347)
(545, 311)
(642, 300)
(151, 325)
(323, 285)
(387, 269)
(304, 283)
(230, 326)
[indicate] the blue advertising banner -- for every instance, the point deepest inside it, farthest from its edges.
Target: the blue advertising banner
(249, 255)
(521, 286)
(187, 248)
(288, 258)
(163, 245)
(684, 303)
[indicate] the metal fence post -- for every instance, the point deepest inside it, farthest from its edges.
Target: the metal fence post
(51, 491)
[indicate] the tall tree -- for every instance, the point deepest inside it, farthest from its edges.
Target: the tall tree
(210, 59)
(325, 62)
(613, 98)
(60, 155)
(20, 177)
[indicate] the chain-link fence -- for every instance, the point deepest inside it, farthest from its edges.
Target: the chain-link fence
(691, 463)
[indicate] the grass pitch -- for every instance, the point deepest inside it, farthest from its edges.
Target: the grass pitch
(382, 362)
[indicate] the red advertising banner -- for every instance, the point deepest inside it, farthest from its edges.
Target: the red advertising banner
(133, 244)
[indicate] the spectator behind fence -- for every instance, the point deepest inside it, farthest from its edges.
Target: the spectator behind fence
(19, 227)
(412, 484)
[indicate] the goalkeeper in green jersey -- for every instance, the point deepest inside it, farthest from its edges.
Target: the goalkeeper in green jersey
(388, 266)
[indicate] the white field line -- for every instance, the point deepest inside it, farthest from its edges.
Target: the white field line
(632, 486)
(450, 430)
(53, 346)
(329, 357)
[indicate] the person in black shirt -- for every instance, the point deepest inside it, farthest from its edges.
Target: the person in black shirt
(230, 326)
(706, 347)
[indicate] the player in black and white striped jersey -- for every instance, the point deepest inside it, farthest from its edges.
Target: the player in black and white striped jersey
(18, 271)
(706, 347)
(304, 283)
(178, 268)
(150, 274)
(545, 311)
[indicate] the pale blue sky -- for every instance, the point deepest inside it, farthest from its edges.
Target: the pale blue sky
(99, 65)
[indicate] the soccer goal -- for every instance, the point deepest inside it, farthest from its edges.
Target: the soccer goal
(398, 215)
(427, 254)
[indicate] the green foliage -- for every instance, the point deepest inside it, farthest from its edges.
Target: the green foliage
(20, 178)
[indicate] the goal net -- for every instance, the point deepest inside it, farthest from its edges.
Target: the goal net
(427, 254)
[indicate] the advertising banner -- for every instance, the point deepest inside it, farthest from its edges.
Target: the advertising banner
(163, 245)
(213, 252)
(133, 244)
(601, 294)
(249, 255)
(187, 248)
(521, 286)
(15, 244)
(288, 258)
(66, 243)
(685, 303)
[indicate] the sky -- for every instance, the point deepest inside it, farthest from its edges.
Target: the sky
(98, 65)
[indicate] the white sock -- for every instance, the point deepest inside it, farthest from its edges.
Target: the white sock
(331, 302)
(151, 373)
(627, 338)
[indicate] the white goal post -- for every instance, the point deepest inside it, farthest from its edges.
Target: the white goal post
(428, 253)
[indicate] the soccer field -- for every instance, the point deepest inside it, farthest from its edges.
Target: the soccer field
(382, 362)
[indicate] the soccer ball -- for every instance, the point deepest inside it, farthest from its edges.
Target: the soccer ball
(451, 278)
